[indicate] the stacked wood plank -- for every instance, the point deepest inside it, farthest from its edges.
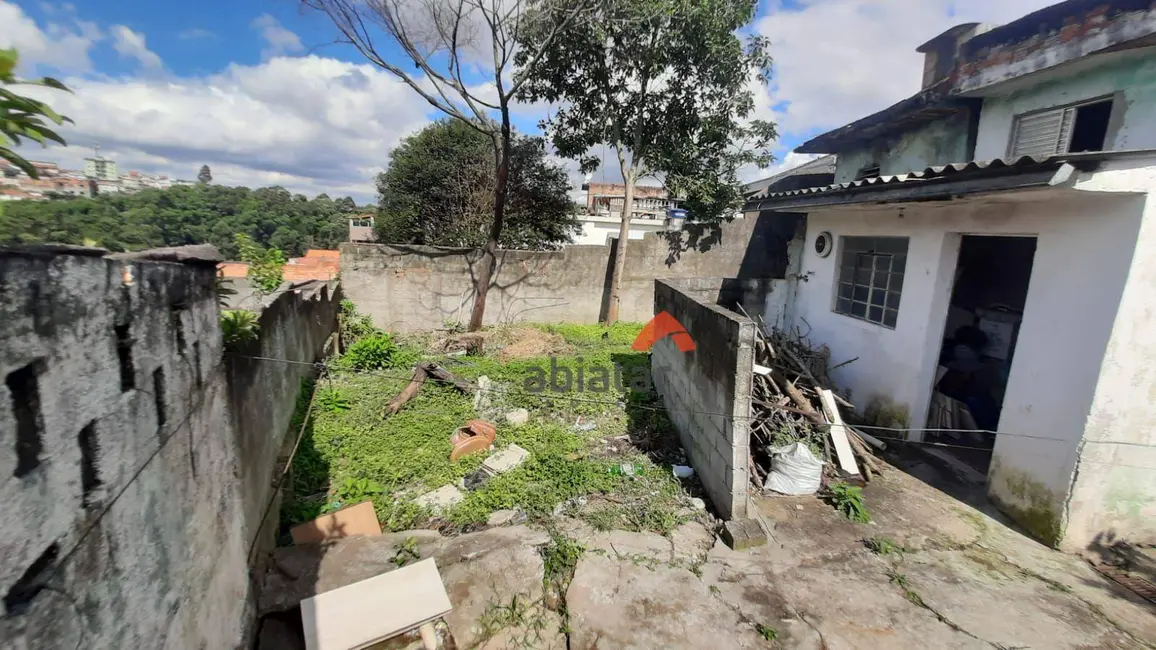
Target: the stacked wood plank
(791, 401)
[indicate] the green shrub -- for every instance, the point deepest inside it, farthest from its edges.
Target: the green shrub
(354, 325)
(371, 353)
(238, 326)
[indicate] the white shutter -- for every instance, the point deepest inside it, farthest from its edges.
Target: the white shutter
(1043, 134)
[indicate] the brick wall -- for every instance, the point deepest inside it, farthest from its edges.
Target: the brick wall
(707, 391)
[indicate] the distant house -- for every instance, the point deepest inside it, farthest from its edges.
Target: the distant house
(603, 217)
(986, 252)
(361, 228)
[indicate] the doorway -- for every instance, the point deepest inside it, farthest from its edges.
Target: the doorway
(979, 341)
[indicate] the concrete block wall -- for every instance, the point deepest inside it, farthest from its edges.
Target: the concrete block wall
(129, 491)
(408, 288)
(707, 391)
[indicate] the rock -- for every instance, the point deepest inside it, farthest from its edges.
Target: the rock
(691, 542)
(505, 460)
(620, 604)
(741, 534)
(497, 569)
(299, 572)
(503, 517)
(698, 503)
(483, 396)
(632, 546)
(518, 417)
(441, 499)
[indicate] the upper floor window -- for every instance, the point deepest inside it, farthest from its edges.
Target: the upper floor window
(1070, 129)
(361, 222)
(871, 278)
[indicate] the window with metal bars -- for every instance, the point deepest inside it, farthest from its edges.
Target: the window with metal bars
(870, 282)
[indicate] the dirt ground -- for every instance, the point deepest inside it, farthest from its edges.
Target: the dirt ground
(929, 572)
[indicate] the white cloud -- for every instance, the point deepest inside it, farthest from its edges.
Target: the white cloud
(839, 60)
(279, 41)
(130, 44)
(63, 46)
(312, 124)
(195, 33)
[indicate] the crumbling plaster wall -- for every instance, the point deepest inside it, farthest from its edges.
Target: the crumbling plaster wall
(296, 326)
(108, 363)
(1083, 257)
(1130, 77)
(138, 459)
(407, 288)
(707, 391)
(936, 143)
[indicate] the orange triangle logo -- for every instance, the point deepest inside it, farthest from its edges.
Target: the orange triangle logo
(660, 327)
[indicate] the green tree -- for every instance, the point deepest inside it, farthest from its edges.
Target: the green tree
(438, 190)
(205, 176)
(199, 214)
(445, 40)
(265, 265)
(666, 83)
(22, 117)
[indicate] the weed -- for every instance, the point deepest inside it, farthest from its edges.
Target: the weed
(521, 614)
(883, 546)
(715, 590)
(767, 632)
(353, 491)
(848, 500)
(559, 559)
(898, 579)
(333, 400)
(354, 325)
(407, 552)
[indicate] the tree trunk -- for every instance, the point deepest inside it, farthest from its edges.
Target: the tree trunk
(490, 251)
(620, 257)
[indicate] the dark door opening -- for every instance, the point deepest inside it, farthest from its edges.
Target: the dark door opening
(983, 320)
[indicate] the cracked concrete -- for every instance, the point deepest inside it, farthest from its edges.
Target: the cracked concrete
(962, 580)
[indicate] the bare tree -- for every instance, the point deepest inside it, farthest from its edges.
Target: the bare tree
(444, 38)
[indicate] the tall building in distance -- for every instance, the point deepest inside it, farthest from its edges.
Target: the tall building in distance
(101, 169)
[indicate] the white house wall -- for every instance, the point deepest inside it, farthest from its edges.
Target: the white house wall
(599, 232)
(1133, 122)
(1084, 249)
(1114, 491)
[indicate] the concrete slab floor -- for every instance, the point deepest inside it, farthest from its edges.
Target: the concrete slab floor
(942, 575)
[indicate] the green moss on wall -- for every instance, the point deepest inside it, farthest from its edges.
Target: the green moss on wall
(1029, 503)
(882, 411)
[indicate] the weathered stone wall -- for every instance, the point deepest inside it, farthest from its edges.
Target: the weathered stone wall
(407, 288)
(707, 391)
(295, 329)
(129, 491)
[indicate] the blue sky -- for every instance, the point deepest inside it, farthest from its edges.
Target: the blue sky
(257, 90)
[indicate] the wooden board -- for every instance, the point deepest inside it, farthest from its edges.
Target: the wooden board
(363, 613)
(354, 520)
(838, 433)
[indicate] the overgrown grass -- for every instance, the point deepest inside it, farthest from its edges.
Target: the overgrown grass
(352, 453)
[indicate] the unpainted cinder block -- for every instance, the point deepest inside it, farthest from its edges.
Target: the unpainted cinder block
(741, 534)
